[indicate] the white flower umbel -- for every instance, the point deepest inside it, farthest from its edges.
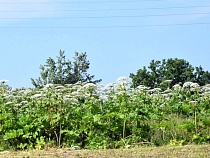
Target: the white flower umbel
(207, 85)
(167, 91)
(36, 96)
(90, 87)
(194, 85)
(24, 102)
(48, 85)
(103, 97)
(206, 93)
(75, 148)
(193, 102)
(110, 86)
(69, 85)
(176, 86)
(207, 89)
(155, 90)
(18, 105)
(122, 84)
(162, 105)
(187, 84)
(8, 96)
(76, 94)
(142, 87)
(8, 103)
(27, 91)
(78, 83)
(59, 87)
(72, 101)
(123, 80)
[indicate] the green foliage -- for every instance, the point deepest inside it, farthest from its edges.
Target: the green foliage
(169, 72)
(100, 117)
(64, 71)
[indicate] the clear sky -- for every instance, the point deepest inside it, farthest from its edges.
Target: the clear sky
(119, 36)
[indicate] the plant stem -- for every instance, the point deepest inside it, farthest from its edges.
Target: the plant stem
(59, 140)
(56, 136)
(196, 129)
(124, 128)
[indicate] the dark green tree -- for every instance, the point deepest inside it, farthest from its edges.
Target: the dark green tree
(176, 70)
(201, 77)
(64, 71)
(143, 76)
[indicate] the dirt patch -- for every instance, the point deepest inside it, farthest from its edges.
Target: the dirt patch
(189, 151)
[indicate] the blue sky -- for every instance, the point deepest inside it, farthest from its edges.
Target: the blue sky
(119, 36)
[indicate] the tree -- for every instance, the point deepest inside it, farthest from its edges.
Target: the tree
(176, 70)
(141, 77)
(201, 77)
(64, 71)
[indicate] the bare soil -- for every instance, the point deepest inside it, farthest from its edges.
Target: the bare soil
(188, 151)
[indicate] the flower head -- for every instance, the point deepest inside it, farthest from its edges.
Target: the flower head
(176, 86)
(109, 86)
(36, 96)
(142, 87)
(187, 84)
(155, 90)
(122, 80)
(194, 85)
(48, 85)
(8, 103)
(90, 86)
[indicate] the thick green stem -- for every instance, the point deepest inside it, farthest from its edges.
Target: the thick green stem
(124, 129)
(196, 128)
(59, 140)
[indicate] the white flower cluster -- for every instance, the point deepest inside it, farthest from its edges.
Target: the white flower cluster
(36, 96)
(142, 87)
(155, 90)
(194, 85)
(110, 86)
(191, 85)
(176, 86)
(90, 86)
(59, 87)
(8, 103)
(187, 84)
(123, 81)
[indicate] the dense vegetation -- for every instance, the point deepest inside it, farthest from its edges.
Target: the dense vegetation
(170, 104)
(94, 116)
(177, 70)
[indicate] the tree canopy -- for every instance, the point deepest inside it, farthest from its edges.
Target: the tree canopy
(168, 73)
(64, 71)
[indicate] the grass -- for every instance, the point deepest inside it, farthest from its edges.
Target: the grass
(188, 151)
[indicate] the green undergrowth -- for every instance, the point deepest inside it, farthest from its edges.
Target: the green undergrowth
(103, 117)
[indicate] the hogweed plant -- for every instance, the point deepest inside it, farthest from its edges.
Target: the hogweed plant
(94, 116)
